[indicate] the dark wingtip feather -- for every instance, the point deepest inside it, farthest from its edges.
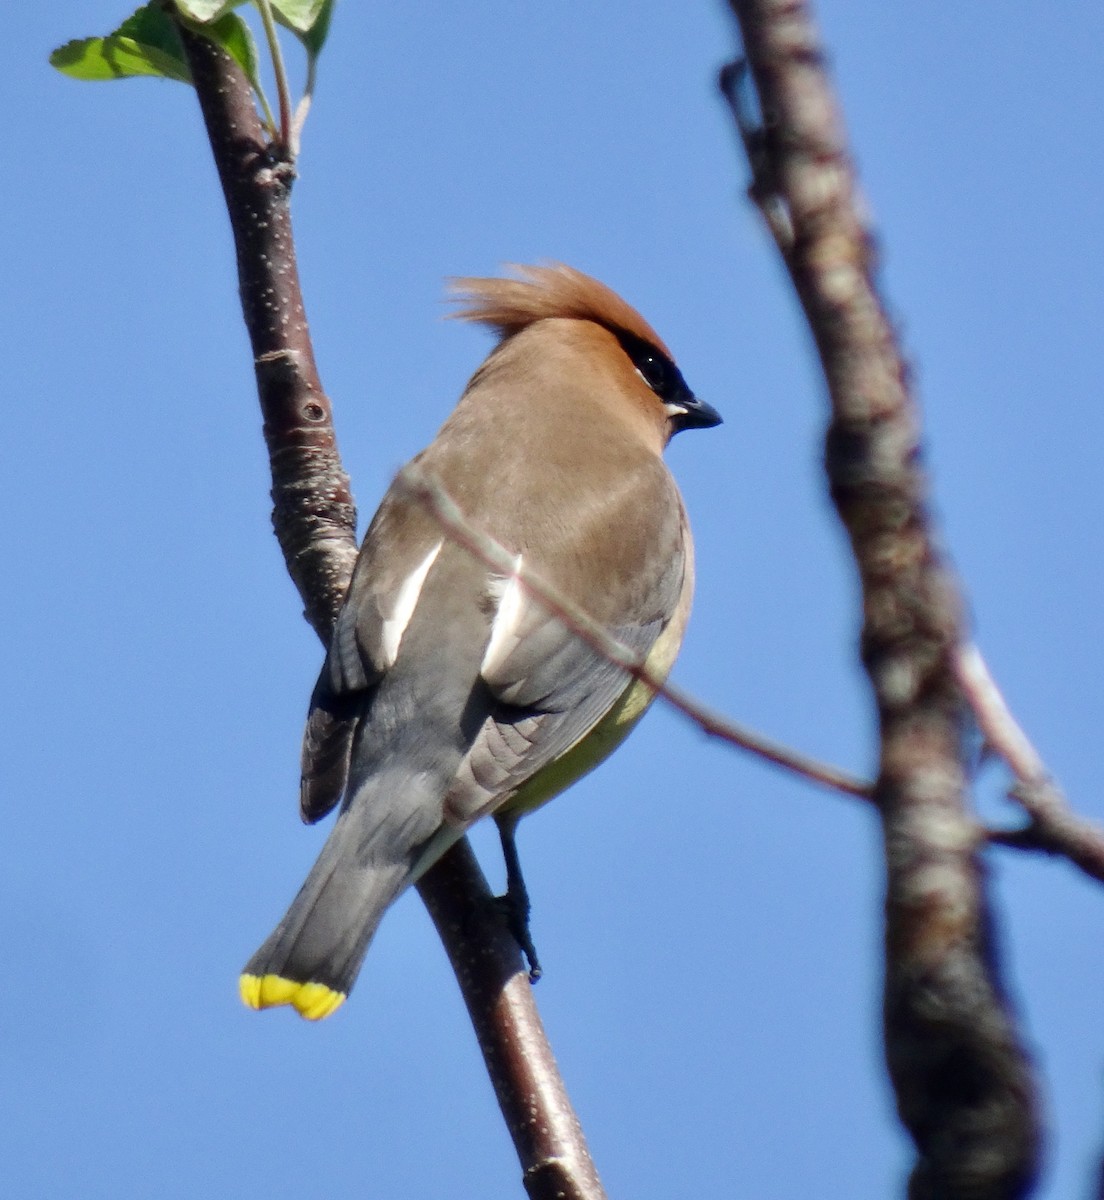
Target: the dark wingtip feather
(537, 293)
(327, 747)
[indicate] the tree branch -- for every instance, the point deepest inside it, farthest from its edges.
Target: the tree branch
(1054, 828)
(315, 520)
(550, 1143)
(313, 511)
(495, 556)
(962, 1077)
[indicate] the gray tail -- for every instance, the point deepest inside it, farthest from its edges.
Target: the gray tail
(313, 956)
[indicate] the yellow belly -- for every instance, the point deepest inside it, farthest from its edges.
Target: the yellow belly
(601, 741)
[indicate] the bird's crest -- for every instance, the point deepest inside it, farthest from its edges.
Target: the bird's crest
(555, 290)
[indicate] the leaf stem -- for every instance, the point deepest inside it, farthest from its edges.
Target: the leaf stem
(280, 71)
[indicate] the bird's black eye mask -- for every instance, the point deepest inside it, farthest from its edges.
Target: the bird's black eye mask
(684, 409)
(656, 369)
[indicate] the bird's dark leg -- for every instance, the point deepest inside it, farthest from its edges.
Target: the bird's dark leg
(515, 904)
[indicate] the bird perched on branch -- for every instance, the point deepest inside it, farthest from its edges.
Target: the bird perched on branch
(451, 690)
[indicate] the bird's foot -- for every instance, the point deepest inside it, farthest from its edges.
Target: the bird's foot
(514, 910)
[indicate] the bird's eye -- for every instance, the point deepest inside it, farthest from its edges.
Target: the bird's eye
(682, 408)
(656, 369)
(653, 370)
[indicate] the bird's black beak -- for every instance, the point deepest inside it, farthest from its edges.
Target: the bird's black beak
(688, 412)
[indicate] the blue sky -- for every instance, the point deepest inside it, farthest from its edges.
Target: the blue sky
(709, 927)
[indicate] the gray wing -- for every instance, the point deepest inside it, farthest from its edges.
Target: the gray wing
(623, 554)
(551, 688)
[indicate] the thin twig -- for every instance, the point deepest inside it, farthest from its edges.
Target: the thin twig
(1055, 831)
(1002, 732)
(1054, 828)
(963, 1079)
(498, 558)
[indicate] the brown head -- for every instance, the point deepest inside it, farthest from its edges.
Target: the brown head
(619, 342)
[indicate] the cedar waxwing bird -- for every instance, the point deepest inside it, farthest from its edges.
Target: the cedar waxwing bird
(449, 690)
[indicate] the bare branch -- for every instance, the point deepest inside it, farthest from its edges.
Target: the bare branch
(1000, 728)
(315, 520)
(313, 514)
(499, 996)
(1054, 828)
(963, 1079)
(496, 556)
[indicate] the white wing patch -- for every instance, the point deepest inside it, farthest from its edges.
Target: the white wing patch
(504, 631)
(406, 600)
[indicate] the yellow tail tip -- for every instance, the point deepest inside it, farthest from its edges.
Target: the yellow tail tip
(310, 1000)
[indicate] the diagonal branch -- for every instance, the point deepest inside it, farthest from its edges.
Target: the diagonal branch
(495, 556)
(314, 518)
(1053, 828)
(962, 1076)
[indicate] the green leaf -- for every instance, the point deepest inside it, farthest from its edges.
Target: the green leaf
(316, 36)
(205, 11)
(309, 20)
(113, 58)
(153, 27)
(298, 15)
(145, 44)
